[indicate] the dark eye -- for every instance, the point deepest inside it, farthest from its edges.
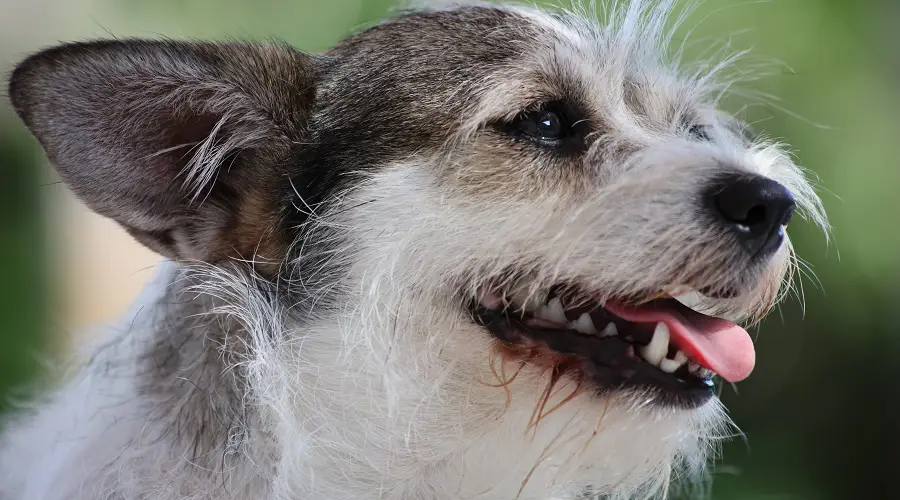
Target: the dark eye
(556, 125)
(543, 125)
(699, 132)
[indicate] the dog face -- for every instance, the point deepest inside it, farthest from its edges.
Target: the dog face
(476, 219)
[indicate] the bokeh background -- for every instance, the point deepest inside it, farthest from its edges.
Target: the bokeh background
(821, 413)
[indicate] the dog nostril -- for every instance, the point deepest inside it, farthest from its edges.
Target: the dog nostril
(754, 209)
(756, 215)
(735, 208)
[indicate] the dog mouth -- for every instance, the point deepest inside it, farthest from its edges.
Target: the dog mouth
(661, 345)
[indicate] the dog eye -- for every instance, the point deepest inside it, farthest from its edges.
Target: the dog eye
(543, 125)
(556, 125)
(699, 132)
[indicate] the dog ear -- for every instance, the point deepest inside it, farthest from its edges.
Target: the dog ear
(184, 144)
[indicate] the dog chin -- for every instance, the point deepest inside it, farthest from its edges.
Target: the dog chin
(543, 431)
(616, 445)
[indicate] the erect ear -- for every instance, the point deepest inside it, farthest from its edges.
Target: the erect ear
(185, 144)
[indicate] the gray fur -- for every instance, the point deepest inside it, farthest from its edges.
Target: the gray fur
(165, 136)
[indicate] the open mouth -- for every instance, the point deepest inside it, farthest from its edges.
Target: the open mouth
(661, 345)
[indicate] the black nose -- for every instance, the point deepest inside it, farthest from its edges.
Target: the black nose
(754, 209)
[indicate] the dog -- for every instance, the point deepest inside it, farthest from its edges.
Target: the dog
(475, 251)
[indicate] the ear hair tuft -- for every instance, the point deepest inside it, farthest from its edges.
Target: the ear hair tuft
(167, 137)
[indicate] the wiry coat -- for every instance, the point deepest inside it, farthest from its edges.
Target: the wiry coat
(330, 216)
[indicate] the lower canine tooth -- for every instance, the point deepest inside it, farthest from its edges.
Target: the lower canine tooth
(610, 330)
(584, 324)
(656, 350)
(669, 365)
(693, 367)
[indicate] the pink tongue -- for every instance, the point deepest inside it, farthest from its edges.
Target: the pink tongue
(714, 343)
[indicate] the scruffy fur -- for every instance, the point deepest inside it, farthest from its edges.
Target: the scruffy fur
(327, 217)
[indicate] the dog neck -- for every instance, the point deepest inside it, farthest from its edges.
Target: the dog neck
(187, 356)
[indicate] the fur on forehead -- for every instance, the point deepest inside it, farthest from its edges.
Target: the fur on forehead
(409, 85)
(501, 58)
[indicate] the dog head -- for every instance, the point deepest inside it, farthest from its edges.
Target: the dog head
(478, 219)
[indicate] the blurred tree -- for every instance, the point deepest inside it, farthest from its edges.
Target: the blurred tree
(24, 333)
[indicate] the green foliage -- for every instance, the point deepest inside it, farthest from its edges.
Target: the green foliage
(23, 334)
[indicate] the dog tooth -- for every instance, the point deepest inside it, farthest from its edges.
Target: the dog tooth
(583, 324)
(669, 365)
(555, 311)
(543, 312)
(693, 367)
(610, 330)
(706, 373)
(656, 350)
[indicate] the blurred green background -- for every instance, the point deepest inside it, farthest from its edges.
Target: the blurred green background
(821, 413)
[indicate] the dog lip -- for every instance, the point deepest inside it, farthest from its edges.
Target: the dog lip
(611, 360)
